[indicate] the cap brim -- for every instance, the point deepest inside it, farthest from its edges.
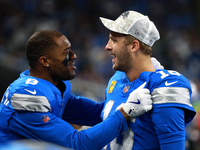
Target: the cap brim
(112, 25)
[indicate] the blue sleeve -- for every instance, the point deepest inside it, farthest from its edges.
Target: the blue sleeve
(179, 145)
(169, 123)
(49, 128)
(82, 111)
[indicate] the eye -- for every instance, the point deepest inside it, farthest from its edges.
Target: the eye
(114, 40)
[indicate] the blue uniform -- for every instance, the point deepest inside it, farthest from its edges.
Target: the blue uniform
(34, 108)
(163, 127)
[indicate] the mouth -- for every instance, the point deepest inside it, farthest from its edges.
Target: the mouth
(72, 65)
(113, 57)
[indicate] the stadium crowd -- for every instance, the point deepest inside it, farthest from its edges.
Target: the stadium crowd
(178, 48)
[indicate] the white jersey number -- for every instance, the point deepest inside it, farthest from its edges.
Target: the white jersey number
(163, 74)
(123, 141)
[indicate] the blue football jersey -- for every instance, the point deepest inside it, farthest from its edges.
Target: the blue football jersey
(165, 123)
(33, 108)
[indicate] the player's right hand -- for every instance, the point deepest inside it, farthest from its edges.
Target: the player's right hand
(138, 102)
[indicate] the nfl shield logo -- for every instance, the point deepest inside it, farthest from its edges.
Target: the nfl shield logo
(126, 88)
(45, 118)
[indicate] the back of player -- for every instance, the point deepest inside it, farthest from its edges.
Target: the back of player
(164, 126)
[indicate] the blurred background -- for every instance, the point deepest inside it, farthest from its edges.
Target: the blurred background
(178, 48)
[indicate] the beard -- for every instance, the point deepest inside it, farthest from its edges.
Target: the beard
(61, 72)
(123, 62)
(69, 76)
(63, 76)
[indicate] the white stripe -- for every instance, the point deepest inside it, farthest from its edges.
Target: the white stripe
(171, 95)
(30, 103)
(7, 103)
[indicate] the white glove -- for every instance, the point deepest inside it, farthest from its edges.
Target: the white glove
(156, 63)
(138, 102)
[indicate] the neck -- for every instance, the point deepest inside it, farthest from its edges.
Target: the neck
(42, 75)
(140, 65)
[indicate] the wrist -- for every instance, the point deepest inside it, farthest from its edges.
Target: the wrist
(126, 116)
(127, 109)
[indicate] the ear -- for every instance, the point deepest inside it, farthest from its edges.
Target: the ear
(44, 61)
(135, 46)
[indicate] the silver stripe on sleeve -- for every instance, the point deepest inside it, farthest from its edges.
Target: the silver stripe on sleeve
(171, 95)
(30, 103)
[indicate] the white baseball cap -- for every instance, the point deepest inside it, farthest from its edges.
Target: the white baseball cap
(135, 24)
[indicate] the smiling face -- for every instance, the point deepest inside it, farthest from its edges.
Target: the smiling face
(120, 52)
(62, 60)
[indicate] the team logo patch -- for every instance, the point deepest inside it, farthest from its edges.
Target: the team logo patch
(45, 118)
(126, 88)
(112, 86)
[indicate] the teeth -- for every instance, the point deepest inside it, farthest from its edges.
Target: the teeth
(73, 63)
(113, 56)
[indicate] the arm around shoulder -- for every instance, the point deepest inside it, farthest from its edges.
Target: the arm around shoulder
(58, 131)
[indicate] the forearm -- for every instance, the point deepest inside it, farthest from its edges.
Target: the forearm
(101, 134)
(60, 132)
(126, 116)
(88, 112)
(180, 145)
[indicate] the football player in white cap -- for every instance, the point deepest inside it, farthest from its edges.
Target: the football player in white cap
(131, 38)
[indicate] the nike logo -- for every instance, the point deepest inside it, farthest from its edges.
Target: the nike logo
(32, 92)
(138, 102)
(167, 84)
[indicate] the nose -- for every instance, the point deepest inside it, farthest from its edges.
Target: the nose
(72, 55)
(108, 46)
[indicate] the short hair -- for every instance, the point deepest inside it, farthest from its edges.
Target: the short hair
(39, 44)
(147, 50)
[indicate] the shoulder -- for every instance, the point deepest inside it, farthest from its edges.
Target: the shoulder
(168, 86)
(167, 78)
(171, 89)
(30, 94)
(31, 86)
(169, 82)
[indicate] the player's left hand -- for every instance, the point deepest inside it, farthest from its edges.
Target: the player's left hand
(138, 102)
(156, 63)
